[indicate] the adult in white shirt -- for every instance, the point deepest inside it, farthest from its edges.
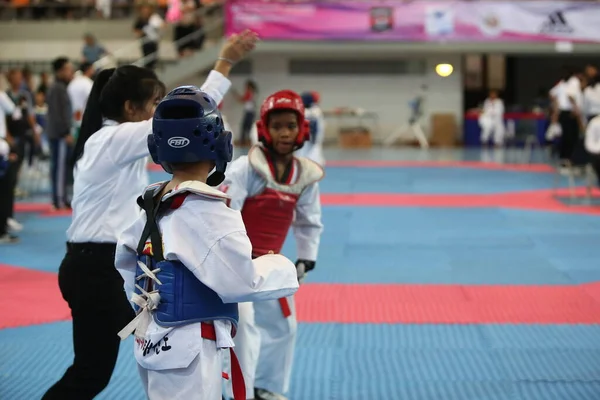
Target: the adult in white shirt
(110, 173)
(567, 98)
(79, 90)
(8, 108)
(491, 120)
(591, 99)
(592, 143)
(5, 188)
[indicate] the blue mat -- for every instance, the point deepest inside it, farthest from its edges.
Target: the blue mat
(444, 180)
(366, 361)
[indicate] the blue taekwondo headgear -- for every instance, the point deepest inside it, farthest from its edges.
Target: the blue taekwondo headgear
(308, 99)
(187, 127)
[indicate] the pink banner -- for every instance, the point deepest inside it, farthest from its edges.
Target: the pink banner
(418, 21)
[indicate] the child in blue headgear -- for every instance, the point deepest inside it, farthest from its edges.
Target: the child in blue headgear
(188, 261)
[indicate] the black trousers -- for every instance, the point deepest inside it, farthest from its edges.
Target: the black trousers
(570, 133)
(6, 195)
(595, 162)
(94, 290)
(59, 174)
(150, 48)
(13, 173)
(248, 120)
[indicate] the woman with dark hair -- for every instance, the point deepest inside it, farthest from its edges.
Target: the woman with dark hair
(567, 99)
(110, 173)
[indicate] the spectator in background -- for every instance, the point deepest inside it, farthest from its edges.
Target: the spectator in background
(188, 33)
(6, 157)
(79, 90)
(591, 72)
(567, 100)
(23, 131)
(27, 84)
(41, 109)
(148, 28)
(491, 120)
(44, 83)
(58, 130)
(591, 99)
(32, 139)
(248, 99)
(9, 176)
(92, 51)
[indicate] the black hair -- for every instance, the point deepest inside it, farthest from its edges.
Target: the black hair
(568, 72)
(58, 63)
(111, 90)
(85, 66)
(593, 81)
(252, 85)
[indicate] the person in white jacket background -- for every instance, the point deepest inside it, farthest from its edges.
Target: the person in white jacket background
(313, 148)
(491, 120)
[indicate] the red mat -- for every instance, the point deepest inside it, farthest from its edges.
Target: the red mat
(447, 304)
(441, 164)
(541, 200)
(29, 297)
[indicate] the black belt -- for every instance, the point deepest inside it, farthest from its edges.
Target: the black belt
(91, 248)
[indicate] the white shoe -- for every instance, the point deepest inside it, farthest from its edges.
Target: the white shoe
(8, 239)
(263, 394)
(13, 225)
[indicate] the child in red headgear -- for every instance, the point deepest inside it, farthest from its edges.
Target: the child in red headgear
(274, 190)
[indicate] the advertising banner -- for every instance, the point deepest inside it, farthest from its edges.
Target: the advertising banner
(417, 21)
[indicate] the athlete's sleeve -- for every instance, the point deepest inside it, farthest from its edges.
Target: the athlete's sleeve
(224, 263)
(307, 225)
(130, 140)
(216, 86)
(126, 254)
(236, 182)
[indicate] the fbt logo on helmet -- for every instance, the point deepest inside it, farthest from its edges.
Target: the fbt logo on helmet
(178, 142)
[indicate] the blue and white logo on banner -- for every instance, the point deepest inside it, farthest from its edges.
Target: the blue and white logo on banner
(439, 21)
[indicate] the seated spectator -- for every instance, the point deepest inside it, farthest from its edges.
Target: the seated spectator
(92, 51)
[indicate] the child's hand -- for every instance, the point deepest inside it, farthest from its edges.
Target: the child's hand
(239, 46)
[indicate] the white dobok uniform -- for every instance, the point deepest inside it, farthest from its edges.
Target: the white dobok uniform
(209, 239)
(267, 330)
(313, 148)
(592, 136)
(491, 121)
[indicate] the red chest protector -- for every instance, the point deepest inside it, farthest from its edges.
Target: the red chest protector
(269, 215)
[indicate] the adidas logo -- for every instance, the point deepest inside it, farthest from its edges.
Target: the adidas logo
(556, 23)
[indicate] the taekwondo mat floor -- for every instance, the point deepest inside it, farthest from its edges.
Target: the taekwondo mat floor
(442, 275)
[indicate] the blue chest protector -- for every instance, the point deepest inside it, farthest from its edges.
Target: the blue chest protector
(183, 298)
